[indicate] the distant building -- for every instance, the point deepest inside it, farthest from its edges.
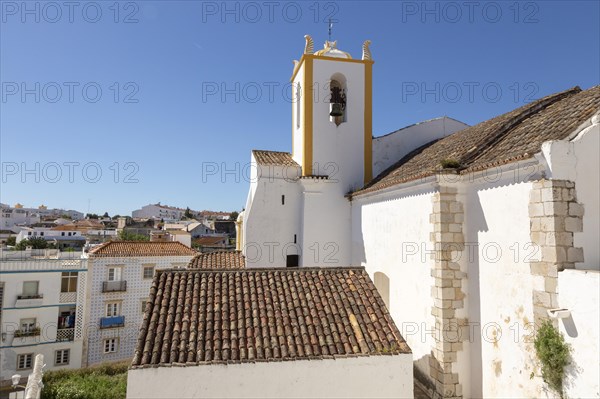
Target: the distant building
(62, 239)
(119, 279)
(42, 297)
(159, 212)
(212, 243)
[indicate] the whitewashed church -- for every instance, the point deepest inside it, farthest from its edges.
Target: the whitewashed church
(472, 234)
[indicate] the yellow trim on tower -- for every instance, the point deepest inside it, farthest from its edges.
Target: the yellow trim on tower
(368, 122)
(307, 137)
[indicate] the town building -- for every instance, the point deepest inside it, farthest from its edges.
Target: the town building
(42, 295)
(268, 333)
(62, 238)
(472, 235)
(119, 279)
(159, 212)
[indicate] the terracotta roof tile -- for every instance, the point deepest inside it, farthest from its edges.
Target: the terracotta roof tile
(141, 248)
(202, 317)
(274, 158)
(516, 135)
(218, 260)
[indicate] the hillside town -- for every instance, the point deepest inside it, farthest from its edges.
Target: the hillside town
(441, 260)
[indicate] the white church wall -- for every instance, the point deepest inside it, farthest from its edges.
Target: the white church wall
(326, 225)
(500, 356)
(390, 148)
(579, 291)
(359, 377)
(338, 151)
(272, 222)
(393, 230)
(297, 143)
(587, 184)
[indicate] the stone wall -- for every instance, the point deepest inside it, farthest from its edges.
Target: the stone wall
(448, 243)
(554, 216)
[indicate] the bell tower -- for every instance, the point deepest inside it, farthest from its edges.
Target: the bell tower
(332, 115)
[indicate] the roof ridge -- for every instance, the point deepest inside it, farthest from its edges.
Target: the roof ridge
(528, 112)
(262, 269)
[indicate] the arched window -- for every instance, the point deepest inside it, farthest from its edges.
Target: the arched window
(382, 283)
(297, 98)
(337, 99)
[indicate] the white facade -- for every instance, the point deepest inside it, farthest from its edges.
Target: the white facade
(359, 377)
(42, 302)
(158, 211)
(126, 290)
(10, 217)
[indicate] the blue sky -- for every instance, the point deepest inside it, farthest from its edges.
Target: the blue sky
(134, 90)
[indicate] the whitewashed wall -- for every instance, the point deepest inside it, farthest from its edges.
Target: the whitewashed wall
(390, 148)
(587, 183)
(270, 226)
(360, 377)
(390, 234)
(579, 291)
(499, 292)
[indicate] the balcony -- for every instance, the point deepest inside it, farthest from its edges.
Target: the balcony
(112, 322)
(24, 301)
(114, 286)
(34, 332)
(67, 297)
(65, 334)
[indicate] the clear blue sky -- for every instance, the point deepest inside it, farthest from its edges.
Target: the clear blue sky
(431, 59)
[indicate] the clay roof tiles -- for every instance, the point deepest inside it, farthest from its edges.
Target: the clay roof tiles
(274, 158)
(510, 137)
(218, 260)
(141, 248)
(232, 316)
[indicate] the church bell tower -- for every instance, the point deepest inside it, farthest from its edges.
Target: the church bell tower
(332, 115)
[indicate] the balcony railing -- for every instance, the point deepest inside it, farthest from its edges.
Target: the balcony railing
(36, 296)
(112, 322)
(114, 286)
(67, 297)
(34, 332)
(65, 334)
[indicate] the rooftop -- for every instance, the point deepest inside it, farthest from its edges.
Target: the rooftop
(507, 138)
(264, 157)
(233, 316)
(141, 248)
(218, 260)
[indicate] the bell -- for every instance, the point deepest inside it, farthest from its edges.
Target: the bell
(335, 109)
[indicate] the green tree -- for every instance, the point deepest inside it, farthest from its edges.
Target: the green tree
(233, 215)
(34, 242)
(105, 215)
(125, 235)
(188, 213)
(11, 241)
(65, 216)
(91, 216)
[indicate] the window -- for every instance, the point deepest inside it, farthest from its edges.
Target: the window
(298, 103)
(68, 282)
(283, 200)
(30, 288)
(112, 309)
(148, 272)
(110, 345)
(41, 233)
(61, 357)
(27, 325)
(24, 361)
(114, 274)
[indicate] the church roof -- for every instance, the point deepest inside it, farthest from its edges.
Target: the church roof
(218, 260)
(510, 137)
(234, 316)
(264, 157)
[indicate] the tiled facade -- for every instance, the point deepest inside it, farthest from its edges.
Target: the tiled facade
(130, 303)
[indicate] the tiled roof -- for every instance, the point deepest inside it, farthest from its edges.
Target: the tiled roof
(199, 317)
(209, 240)
(510, 137)
(141, 248)
(274, 158)
(218, 260)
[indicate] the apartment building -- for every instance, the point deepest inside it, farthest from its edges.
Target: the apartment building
(42, 297)
(119, 280)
